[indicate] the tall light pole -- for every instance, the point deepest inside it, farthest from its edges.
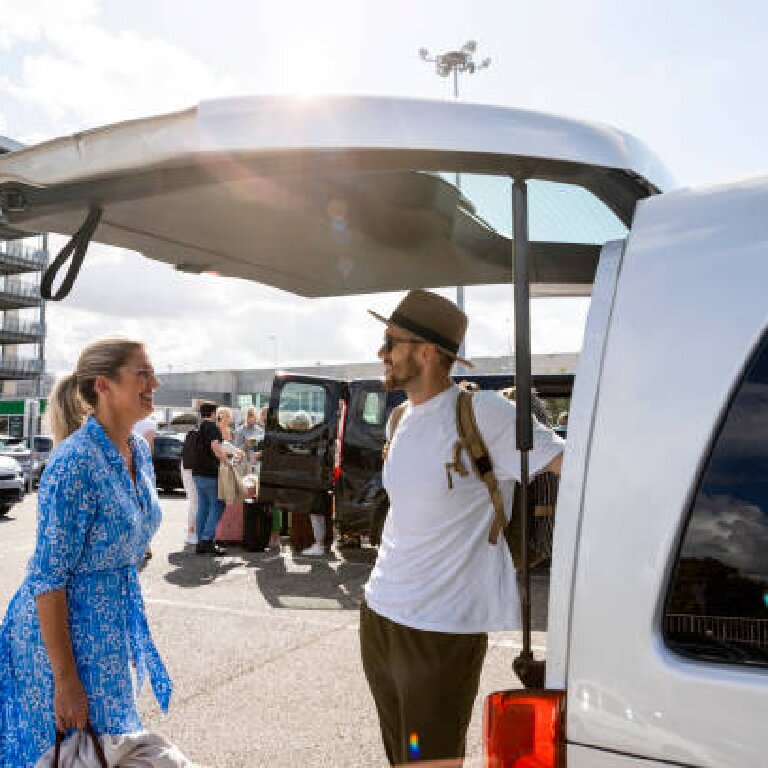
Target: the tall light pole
(453, 63)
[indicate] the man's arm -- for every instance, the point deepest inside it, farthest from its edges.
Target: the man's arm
(218, 451)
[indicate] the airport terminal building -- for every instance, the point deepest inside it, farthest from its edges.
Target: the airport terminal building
(240, 388)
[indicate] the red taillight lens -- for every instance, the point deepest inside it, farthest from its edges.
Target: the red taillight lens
(524, 729)
(339, 442)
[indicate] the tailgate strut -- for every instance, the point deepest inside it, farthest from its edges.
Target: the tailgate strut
(76, 247)
(529, 670)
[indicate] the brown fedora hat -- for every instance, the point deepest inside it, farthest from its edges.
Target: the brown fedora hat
(431, 318)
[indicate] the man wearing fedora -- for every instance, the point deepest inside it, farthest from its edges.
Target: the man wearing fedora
(438, 585)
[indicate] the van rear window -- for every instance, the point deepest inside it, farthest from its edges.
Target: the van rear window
(375, 409)
(301, 407)
(717, 607)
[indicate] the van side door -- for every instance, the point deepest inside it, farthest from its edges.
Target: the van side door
(299, 440)
(359, 493)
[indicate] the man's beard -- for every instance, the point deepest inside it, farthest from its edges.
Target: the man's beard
(410, 370)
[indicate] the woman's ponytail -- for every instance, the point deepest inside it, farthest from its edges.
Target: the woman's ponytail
(66, 409)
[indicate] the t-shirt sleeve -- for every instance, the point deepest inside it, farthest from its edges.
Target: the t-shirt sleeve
(65, 515)
(496, 419)
(144, 426)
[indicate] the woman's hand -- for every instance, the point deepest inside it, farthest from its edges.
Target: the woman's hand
(70, 704)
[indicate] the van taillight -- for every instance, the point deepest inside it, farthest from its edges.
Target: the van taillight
(524, 729)
(339, 442)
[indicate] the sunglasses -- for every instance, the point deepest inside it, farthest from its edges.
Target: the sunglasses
(391, 341)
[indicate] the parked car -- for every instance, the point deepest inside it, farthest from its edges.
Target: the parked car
(15, 448)
(341, 452)
(166, 459)
(658, 606)
(41, 446)
(12, 484)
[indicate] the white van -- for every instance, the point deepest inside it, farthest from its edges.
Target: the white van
(657, 647)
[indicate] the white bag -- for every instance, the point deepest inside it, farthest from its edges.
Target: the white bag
(143, 749)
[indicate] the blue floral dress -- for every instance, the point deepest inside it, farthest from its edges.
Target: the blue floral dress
(94, 526)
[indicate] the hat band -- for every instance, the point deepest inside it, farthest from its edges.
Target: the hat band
(426, 333)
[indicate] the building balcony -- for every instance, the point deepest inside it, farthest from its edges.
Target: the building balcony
(14, 331)
(16, 258)
(20, 369)
(14, 295)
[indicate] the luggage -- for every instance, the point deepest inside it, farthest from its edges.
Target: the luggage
(257, 525)
(301, 531)
(230, 527)
(302, 535)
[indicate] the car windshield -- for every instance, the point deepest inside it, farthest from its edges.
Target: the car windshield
(168, 447)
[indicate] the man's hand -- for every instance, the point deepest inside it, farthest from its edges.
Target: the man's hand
(556, 465)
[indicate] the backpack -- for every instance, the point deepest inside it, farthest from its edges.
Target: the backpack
(189, 451)
(471, 441)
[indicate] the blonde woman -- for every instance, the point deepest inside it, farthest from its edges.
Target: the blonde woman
(77, 623)
(224, 421)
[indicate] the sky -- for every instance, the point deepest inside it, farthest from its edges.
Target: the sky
(686, 77)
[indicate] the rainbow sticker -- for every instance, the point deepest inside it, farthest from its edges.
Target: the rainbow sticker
(413, 744)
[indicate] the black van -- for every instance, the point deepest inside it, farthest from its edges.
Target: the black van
(324, 437)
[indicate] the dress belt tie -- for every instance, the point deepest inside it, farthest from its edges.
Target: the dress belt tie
(143, 650)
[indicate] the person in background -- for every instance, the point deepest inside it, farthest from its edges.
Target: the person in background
(210, 454)
(224, 421)
(146, 428)
(76, 626)
(302, 422)
(250, 435)
(188, 455)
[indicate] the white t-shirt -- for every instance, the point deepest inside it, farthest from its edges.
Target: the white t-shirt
(143, 426)
(436, 569)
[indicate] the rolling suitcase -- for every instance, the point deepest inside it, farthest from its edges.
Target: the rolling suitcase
(257, 525)
(301, 531)
(230, 527)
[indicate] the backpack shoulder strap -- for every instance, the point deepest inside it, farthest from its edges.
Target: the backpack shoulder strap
(474, 445)
(394, 419)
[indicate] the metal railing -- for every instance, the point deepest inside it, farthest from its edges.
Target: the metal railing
(21, 367)
(729, 628)
(23, 256)
(21, 290)
(11, 325)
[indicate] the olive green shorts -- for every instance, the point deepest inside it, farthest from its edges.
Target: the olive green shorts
(423, 684)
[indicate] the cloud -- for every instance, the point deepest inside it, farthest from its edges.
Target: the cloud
(730, 530)
(86, 75)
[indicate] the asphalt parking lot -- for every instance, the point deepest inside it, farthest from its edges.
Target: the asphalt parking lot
(262, 649)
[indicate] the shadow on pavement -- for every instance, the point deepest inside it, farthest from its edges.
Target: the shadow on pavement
(332, 582)
(192, 570)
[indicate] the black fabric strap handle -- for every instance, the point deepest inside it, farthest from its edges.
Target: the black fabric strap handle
(96, 746)
(76, 247)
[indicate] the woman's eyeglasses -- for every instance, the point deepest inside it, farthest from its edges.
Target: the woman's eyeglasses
(391, 341)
